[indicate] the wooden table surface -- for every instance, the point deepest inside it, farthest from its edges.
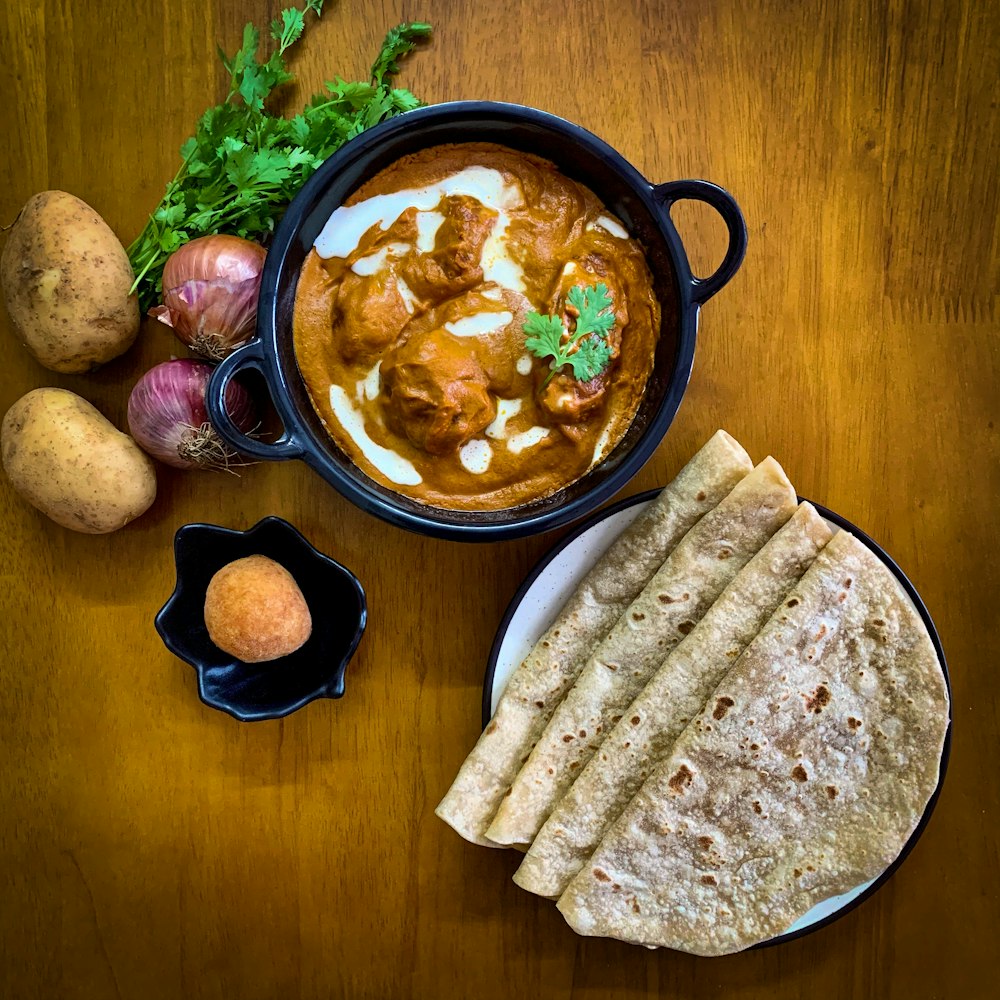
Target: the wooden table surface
(152, 847)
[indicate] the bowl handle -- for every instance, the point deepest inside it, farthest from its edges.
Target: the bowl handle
(724, 203)
(247, 356)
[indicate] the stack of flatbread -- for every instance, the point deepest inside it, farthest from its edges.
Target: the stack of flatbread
(735, 716)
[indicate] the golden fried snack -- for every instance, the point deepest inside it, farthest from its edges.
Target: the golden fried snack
(255, 610)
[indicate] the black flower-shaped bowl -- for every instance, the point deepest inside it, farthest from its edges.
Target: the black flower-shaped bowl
(255, 691)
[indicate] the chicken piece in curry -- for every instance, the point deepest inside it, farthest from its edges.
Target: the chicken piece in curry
(413, 319)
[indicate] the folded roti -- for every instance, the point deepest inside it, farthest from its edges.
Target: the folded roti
(802, 778)
(669, 607)
(540, 682)
(675, 694)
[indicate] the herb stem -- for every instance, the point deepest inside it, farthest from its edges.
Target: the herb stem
(244, 164)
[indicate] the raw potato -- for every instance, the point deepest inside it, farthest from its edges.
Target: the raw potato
(71, 463)
(66, 281)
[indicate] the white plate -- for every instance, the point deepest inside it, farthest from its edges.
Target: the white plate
(549, 586)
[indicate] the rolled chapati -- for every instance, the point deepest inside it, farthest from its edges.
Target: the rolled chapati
(541, 681)
(802, 778)
(669, 607)
(675, 694)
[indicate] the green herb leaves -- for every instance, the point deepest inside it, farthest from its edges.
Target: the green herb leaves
(244, 165)
(289, 29)
(586, 349)
(398, 41)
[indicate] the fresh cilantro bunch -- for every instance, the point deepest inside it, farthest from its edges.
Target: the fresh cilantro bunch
(244, 165)
(586, 349)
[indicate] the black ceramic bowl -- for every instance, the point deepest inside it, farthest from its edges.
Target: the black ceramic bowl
(643, 207)
(254, 691)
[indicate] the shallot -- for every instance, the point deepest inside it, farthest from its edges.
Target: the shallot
(210, 290)
(168, 418)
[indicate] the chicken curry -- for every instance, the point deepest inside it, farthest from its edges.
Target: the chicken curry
(474, 328)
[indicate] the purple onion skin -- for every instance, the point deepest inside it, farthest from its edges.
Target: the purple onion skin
(210, 290)
(168, 418)
(212, 317)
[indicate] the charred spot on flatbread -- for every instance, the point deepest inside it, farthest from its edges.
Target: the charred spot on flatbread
(722, 705)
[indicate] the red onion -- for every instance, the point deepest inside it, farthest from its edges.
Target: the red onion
(167, 416)
(210, 289)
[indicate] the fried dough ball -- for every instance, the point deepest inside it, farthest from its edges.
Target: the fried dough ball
(255, 611)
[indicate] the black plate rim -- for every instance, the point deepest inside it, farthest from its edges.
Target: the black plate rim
(893, 567)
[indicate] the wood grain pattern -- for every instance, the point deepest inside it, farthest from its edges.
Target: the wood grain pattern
(151, 847)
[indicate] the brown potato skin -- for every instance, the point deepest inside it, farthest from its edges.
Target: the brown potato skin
(65, 458)
(65, 280)
(255, 611)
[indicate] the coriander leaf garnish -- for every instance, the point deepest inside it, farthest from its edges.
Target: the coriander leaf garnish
(244, 165)
(289, 29)
(586, 349)
(398, 41)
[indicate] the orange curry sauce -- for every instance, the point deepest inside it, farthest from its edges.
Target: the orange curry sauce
(408, 327)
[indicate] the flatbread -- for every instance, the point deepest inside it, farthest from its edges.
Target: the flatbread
(674, 695)
(803, 777)
(542, 680)
(668, 608)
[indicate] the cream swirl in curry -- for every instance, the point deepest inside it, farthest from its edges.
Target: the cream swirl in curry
(409, 327)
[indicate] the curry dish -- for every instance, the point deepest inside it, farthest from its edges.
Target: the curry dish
(409, 327)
